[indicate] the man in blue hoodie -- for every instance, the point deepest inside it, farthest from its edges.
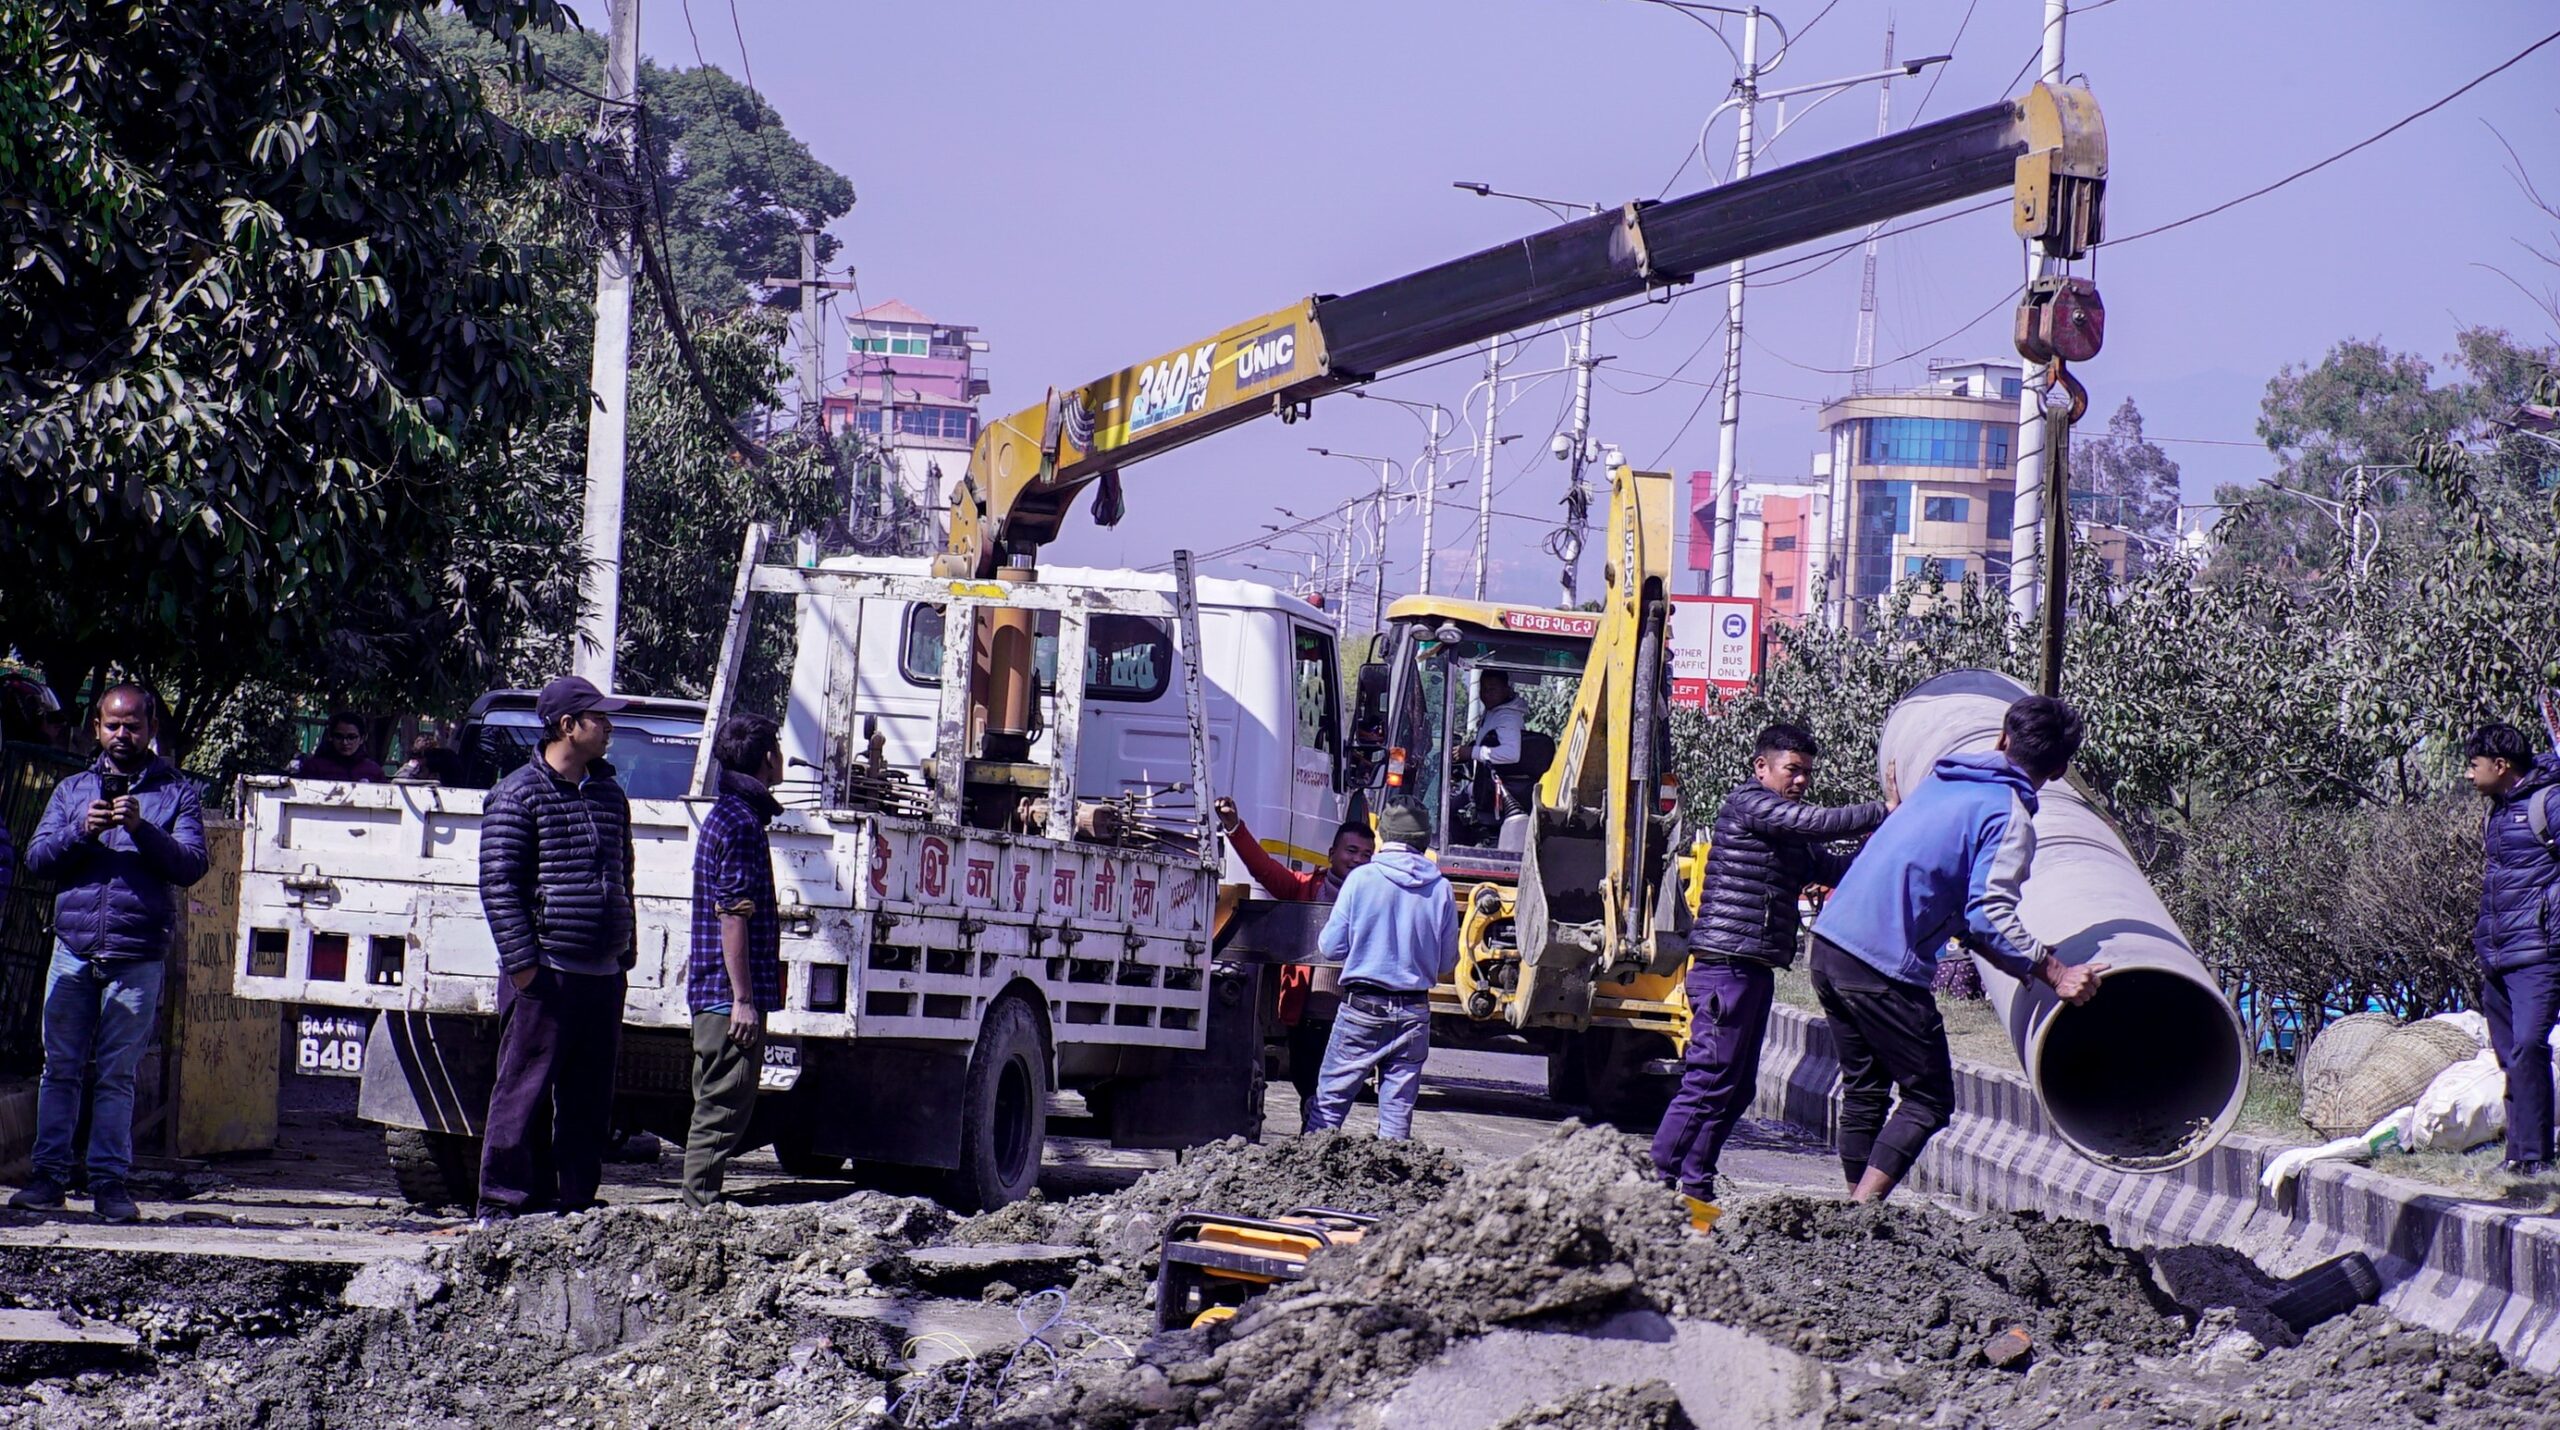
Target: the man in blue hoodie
(1947, 864)
(1395, 929)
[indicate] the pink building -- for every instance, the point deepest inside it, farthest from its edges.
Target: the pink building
(913, 384)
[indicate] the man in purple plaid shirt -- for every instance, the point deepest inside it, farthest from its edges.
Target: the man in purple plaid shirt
(737, 944)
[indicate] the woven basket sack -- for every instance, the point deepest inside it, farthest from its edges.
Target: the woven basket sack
(2360, 1068)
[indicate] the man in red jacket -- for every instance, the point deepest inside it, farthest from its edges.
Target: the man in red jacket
(1307, 1014)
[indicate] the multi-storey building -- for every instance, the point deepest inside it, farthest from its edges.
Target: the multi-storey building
(912, 384)
(1918, 476)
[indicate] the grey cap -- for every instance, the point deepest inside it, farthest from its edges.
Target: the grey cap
(1404, 824)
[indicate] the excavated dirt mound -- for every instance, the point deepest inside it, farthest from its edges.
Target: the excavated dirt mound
(611, 1317)
(1348, 1172)
(818, 1316)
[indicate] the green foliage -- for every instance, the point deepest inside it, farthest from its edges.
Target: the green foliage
(691, 500)
(266, 300)
(2126, 480)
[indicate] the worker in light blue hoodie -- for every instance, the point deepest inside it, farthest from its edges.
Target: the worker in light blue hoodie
(1948, 864)
(1395, 929)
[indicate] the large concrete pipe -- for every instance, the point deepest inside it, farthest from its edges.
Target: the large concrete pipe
(2150, 1073)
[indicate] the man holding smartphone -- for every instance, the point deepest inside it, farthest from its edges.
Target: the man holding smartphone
(120, 839)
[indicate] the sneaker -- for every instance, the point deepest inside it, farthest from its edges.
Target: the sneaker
(40, 1194)
(114, 1204)
(1699, 1191)
(2528, 1169)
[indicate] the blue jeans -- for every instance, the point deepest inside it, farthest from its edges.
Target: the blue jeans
(1391, 1036)
(95, 1015)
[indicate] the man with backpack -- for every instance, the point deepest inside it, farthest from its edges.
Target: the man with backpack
(2513, 935)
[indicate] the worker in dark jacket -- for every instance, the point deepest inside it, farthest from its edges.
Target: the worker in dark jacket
(1305, 1010)
(2519, 918)
(556, 860)
(341, 756)
(733, 974)
(1768, 848)
(119, 840)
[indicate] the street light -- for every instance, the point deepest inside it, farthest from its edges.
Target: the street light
(1744, 101)
(1431, 461)
(1378, 611)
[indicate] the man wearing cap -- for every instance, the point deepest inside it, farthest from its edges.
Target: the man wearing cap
(1395, 929)
(555, 884)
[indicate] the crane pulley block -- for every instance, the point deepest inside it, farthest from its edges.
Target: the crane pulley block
(2061, 183)
(2062, 318)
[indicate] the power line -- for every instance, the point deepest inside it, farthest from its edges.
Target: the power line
(2378, 136)
(1996, 305)
(743, 62)
(1940, 72)
(698, 60)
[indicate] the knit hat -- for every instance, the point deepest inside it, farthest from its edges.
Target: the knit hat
(1404, 824)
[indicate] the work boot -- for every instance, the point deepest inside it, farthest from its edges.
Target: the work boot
(114, 1204)
(40, 1194)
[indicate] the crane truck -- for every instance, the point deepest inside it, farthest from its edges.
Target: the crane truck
(979, 925)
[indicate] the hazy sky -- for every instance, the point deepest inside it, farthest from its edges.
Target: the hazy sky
(1093, 184)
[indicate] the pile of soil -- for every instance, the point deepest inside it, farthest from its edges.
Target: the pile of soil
(1344, 1171)
(607, 1317)
(776, 1316)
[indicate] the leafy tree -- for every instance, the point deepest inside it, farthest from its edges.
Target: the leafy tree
(2126, 480)
(735, 187)
(265, 301)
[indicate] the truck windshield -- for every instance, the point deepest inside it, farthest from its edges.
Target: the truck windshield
(1439, 686)
(652, 755)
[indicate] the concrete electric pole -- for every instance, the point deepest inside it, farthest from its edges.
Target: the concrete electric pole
(1862, 377)
(1484, 480)
(2027, 516)
(609, 371)
(1430, 494)
(1577, 495)
(1728, 487)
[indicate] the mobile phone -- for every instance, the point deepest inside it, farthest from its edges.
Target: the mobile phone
(114, 787)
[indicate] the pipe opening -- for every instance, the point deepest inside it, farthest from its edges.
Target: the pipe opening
(2148, 1076)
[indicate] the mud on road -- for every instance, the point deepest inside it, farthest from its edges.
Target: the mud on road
(1560, 1287)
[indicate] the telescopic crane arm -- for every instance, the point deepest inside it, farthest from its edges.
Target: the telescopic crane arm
(2049, 146)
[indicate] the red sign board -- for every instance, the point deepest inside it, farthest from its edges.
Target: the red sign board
(1548, 623)
(1715, 645)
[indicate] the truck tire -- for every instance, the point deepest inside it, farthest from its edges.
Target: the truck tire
(434, 1169)
(1004, 1117)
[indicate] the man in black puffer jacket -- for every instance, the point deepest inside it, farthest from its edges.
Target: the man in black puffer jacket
(1768, 847)
(555, 883)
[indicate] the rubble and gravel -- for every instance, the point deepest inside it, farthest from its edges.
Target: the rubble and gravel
(809, 1316)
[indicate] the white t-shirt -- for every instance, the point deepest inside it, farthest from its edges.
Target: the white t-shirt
(1498, 733)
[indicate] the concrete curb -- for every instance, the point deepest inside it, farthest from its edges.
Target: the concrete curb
(2469, 1268)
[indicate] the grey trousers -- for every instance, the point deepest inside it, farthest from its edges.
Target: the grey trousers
(724, 1101)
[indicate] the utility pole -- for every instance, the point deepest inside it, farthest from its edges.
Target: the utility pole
(1430, 493)
(2027, 526)
(1729, 431)
(1577, 495)
(1350, 510)
(609, 372)
(1484, 480)
(1862, 377)
(813, 403)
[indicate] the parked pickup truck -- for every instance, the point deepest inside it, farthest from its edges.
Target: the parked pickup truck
(947, 968)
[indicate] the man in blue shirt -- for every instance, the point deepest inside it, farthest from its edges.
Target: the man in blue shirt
(733, 974)
(2519, 910)
(1395, 929)
(1949, 863)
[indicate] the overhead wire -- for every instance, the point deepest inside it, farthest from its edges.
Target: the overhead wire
(2367, 142)
(1940, 72)
(744, 63)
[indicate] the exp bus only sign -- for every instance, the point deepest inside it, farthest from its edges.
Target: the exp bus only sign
(1715, 643)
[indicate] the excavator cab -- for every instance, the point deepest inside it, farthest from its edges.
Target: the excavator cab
(1472, 765)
